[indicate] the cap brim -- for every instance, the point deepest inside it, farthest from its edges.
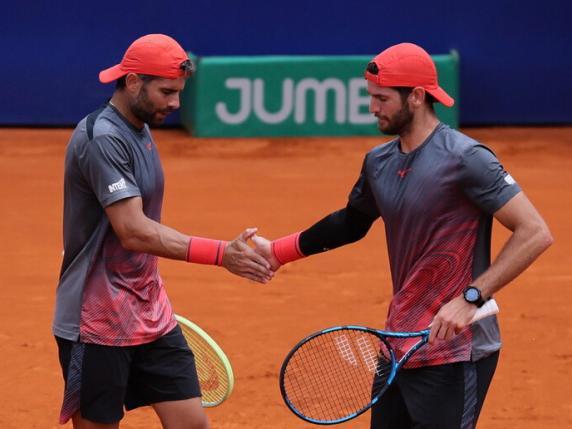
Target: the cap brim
(111, 74)
(442, 97)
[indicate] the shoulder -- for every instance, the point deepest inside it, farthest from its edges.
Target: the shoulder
(460, 147)
(100, 129)
(106, 125)
(381, 152)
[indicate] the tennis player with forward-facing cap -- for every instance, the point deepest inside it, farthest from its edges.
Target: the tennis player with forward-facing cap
(437, 191)
(119, 344)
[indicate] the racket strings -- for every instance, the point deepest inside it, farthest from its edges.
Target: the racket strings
(336, 374)
(211, 370)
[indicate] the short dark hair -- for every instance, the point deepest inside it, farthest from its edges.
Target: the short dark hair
(120, 83)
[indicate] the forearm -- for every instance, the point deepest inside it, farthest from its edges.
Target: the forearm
(139, 233)
(341, 227)
(161, 240)
(337, 229)
(156, 239)
(523, 247)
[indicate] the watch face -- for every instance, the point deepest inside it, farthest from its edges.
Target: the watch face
(472, 295)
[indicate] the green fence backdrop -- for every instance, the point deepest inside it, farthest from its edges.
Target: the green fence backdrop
(291, 96)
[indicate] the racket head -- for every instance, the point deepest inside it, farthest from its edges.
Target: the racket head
(336, 374)
(213, 366)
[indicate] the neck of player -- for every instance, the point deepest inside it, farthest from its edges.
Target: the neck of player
(422, 125)
(119, 101)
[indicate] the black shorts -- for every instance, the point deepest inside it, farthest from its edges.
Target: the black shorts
(441, 397)
(102, 380)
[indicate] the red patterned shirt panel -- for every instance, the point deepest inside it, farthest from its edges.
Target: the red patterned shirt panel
(438, 275)
(125, 302)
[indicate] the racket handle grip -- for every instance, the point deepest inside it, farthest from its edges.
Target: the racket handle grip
(489, 308)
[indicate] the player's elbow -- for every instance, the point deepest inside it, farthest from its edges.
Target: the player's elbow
(539, 234)
(545, 237)
(357, 234)
(133, 244)
(135, 238)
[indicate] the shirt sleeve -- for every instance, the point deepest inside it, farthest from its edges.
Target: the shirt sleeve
(361, 197)
(484, 179)
(106, 164)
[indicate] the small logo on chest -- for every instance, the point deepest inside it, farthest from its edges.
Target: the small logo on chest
(149, 146)
(403, 173)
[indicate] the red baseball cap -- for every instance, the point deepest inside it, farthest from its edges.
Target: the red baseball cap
(153, 54)
(408, 65)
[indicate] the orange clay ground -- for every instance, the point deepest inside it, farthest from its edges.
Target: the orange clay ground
(216, 188)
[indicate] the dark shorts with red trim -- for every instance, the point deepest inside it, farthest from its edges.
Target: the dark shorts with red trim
(446, 396)
(100, 381)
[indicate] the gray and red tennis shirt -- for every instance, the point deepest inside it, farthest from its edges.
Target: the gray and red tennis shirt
(106, 294)
(437, 203)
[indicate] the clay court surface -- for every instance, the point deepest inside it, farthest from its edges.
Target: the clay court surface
(216, 188)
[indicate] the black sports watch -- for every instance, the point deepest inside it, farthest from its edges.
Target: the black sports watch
(473, 296)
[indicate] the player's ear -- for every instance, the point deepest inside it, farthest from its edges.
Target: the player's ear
(133, 83)
(417, 96)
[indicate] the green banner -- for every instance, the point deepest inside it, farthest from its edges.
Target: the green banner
(291, 96)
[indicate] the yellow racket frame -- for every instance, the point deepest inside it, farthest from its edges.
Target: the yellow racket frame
(213, 367)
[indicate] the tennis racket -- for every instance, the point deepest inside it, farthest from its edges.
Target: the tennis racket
(213, 367)
(338, 373)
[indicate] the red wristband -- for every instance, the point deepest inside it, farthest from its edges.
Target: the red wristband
(287, 249)
(206, 251)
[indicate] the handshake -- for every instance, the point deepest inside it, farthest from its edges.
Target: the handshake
(256, 263)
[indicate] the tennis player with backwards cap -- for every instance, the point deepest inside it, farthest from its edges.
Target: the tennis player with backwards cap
(437, 191)
(119, 344)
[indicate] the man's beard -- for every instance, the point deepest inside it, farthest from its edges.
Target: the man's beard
(399, 124)
(144, 110)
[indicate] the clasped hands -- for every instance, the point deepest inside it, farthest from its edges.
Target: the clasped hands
(254, 263)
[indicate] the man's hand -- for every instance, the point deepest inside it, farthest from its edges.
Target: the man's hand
(451, 319)
(240, 259)
(264, 248)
